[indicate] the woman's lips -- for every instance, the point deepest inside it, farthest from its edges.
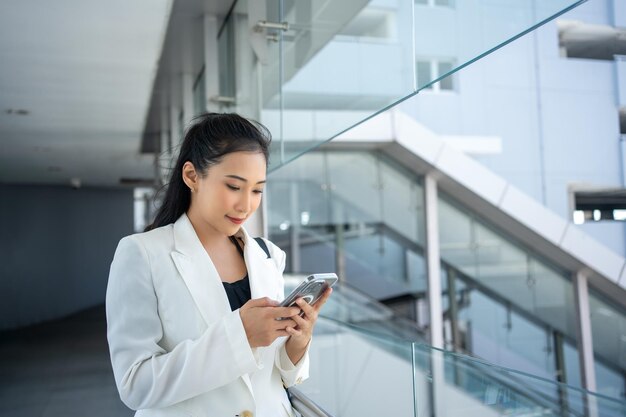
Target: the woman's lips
(235, 220)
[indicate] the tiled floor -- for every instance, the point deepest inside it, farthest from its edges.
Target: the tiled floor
(60, 368)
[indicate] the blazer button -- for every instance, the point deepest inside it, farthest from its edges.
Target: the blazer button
(246, 413)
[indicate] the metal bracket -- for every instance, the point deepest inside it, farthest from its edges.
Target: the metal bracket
(263, 24)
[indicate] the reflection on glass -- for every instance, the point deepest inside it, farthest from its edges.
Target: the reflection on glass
(323, 67)
(449, 384)
(353, 213)
(504, 267)
(608, 327)
(355, 374)
(357, 371)
(504, 303)
(342, 61)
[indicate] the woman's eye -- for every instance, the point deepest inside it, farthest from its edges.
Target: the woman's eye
(258, 191)
(232, 187)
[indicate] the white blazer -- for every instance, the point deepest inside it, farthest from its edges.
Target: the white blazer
(176, 347)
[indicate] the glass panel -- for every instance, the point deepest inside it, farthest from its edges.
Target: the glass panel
(268, 46)
(467, 30)
(514, 304)
(572, 365)
(370, 231)
(502, 266)
(324, 67)
(402, 205)
(337, 60)
(356, 371)
(345, 61)
(359, 373)
(492, 330)
(608, 327)
(449, 384)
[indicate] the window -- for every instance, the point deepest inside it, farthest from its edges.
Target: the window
(431, 69)
(599, 205)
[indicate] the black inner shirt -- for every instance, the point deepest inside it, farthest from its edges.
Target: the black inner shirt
(238, 292)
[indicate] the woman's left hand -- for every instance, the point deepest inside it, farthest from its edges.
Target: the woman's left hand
(301, 334)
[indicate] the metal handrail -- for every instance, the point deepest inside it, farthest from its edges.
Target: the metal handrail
(304, 405)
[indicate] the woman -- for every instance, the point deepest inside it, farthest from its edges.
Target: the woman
(191, 310)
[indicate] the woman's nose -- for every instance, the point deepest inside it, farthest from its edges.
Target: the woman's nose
(243, 205)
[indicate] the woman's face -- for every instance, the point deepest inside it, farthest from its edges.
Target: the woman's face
(229, 193)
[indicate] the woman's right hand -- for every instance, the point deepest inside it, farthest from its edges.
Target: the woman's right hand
(259, 318)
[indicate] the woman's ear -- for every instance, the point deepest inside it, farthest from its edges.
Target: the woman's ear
(190, 176)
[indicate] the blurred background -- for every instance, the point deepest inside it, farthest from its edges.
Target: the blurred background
(458, 163)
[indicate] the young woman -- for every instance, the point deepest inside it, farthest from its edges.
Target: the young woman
(191, 312)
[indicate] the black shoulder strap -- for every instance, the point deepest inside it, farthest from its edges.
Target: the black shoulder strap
(263, 246)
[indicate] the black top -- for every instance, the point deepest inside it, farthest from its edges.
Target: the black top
(238, 292)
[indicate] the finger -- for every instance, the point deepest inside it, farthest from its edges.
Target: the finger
(261, 302)
(280, 333)
(323, 299)
(293, 332)
(281, 324)
(307, 308)
(302, 322)
(285, 311)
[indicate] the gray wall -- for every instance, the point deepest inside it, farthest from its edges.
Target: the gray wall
(56, 245)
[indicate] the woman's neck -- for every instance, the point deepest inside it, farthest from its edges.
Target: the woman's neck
(207, 234)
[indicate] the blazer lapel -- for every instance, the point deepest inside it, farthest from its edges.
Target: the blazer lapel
(198, 272)
(201, 277)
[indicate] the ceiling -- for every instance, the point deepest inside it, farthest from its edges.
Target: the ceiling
(75, 84)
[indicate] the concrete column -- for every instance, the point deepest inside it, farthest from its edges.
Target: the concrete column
(294, 230)
(585, 342)
(433, 261)
(211, 62)
(187, 87)
(165, 127)
(165, 138)
(174, 106)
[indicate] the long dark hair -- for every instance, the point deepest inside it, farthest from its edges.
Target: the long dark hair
(210, 137)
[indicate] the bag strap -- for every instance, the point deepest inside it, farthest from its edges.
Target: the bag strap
(263, 246)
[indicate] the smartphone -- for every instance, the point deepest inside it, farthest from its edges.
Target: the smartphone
(311, 289)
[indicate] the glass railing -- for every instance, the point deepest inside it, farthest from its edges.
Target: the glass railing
(350, 305)
(358, 372)
(324, 67)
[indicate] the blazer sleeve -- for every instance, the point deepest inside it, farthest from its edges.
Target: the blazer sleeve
(146, 375)
(290, 373)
